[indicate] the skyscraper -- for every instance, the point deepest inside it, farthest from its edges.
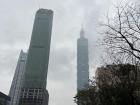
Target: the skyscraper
(34, 85)
(82, 62)
(17, 82)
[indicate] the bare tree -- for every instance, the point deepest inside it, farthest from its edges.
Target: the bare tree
(122, 33)
(122, 41)
(118, 83)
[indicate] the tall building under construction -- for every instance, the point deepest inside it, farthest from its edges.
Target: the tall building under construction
(82, 62)
(33, 91)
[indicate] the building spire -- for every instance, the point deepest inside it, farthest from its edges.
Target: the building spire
(82, 33)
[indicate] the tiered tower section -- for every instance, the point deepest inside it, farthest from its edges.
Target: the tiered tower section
(82, 62)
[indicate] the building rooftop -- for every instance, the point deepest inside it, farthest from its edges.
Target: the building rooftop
(45, 11)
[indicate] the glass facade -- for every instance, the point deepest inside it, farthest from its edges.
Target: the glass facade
(34, 84)
(18, 79)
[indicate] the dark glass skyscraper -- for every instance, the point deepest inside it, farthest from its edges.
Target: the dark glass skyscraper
(82, 62)
(17, 82)
(34, 84)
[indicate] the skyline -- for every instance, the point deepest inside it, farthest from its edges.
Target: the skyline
(16, 27)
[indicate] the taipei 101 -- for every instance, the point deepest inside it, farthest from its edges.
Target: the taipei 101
(70, 52)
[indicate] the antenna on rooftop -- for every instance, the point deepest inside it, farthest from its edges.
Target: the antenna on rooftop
(82, 32)
(38, 3)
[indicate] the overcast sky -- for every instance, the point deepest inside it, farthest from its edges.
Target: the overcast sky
(16, 22)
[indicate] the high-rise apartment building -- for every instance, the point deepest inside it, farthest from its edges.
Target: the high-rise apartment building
(18, 79)
(82, 62)
(35, 79)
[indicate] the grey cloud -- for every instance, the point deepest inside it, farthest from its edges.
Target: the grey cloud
(8, 60)
(61, 63)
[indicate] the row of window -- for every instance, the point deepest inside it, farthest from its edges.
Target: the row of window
(30, 100)
(32, 93)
